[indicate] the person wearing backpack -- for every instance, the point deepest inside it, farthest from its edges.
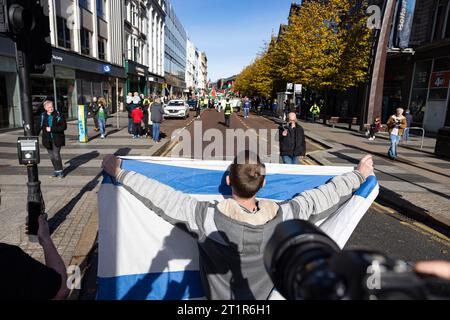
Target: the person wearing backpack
(53, 124)
(228, 110)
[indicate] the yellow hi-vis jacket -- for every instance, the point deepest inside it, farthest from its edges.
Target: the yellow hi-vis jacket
(315, 109)
(228, 109)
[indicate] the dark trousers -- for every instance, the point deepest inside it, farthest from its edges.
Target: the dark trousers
(145, 121)
(95, 122)
(227, 120)
(197, 111)
(55, 156)
(130, 125)
(136, 129)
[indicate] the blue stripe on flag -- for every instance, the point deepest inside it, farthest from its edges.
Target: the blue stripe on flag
(212, 182)
(151, 286)
(367, 187)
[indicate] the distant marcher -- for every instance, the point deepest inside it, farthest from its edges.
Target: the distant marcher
(24, 278)
(228, 110)
(137, 114)
(396, 124)
(198, 109)
(129, 107)
(292, 140)
(102, 114)
(409, 119)
(247, 107)
(157, 116)
(93, 108)
(374, 128)
(274, 106)
(315, 112)
(53, 124)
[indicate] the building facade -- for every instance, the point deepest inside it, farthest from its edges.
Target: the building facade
(203, 71)
(174, 54)
(156, 37)
(192, 62)
(87, 60)
(422, 81)
(135, 45)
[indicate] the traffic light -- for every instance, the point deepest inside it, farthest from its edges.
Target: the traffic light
(24, 21)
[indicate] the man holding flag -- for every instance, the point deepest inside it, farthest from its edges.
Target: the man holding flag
(232, 233)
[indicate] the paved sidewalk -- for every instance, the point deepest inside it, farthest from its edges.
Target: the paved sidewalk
(418, 184)
(71, 203)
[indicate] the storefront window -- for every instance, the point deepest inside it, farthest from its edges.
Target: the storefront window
(10, 113)
(66, 92)
(419, 91)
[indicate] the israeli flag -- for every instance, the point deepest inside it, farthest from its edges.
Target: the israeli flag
(143, 257)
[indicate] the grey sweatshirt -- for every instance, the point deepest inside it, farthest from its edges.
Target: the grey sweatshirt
(157, 113)
(231, 241)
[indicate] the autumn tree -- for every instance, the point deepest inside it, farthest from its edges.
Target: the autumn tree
(325, 47)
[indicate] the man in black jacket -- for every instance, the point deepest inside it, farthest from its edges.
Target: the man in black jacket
(292, 140)
(53, 126)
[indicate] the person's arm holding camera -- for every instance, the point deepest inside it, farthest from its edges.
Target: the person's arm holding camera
(52, 258)
(327, 198)
(49, 281)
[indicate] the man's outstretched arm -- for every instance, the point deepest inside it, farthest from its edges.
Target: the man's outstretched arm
(327, 198)
(171, 205)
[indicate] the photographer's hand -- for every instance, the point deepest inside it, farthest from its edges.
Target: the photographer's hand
(439, 269)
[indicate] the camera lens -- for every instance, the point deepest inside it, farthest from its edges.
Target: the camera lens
(296, 258)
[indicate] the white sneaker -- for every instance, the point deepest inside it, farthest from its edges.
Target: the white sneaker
(102, 136)
(371, 139)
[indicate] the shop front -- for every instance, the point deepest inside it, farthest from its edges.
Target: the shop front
(137, 75)
(429, 99)
(155, 85)
(79, 79)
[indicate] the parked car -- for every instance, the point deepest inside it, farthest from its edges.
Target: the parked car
(176, 109)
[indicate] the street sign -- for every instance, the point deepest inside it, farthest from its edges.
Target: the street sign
(289, 86)
(298, 88)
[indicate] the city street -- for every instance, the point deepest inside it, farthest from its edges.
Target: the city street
(383, 228)
(347, 102)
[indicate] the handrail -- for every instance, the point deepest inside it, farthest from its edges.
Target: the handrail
(423, 134)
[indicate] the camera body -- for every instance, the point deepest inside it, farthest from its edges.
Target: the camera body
(305, 264)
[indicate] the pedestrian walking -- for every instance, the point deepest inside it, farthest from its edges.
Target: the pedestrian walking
(292, 140)
(53, 124)
(247, 107)
(315, 112)
(409, 119)
(157, 116)
(232, 234)
(129, 107)
(101, 117)
(374, 128)
(93, 109)
(138, 115)
(396, 124)
(228, 110)
(198, 108)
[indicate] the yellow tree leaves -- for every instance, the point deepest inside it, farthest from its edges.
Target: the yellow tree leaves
(325, 46)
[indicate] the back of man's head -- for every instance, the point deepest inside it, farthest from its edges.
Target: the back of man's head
(247, 174)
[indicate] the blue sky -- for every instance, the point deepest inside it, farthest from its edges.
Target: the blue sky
(231, 32)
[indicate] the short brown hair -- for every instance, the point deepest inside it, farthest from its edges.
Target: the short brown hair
(247, 174)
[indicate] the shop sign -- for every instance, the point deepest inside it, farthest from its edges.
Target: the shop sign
(106, 68)
(440, 79)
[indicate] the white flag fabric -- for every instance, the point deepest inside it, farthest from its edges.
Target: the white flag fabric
(143, 257)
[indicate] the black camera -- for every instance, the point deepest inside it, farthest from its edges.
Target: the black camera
(306, 264)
